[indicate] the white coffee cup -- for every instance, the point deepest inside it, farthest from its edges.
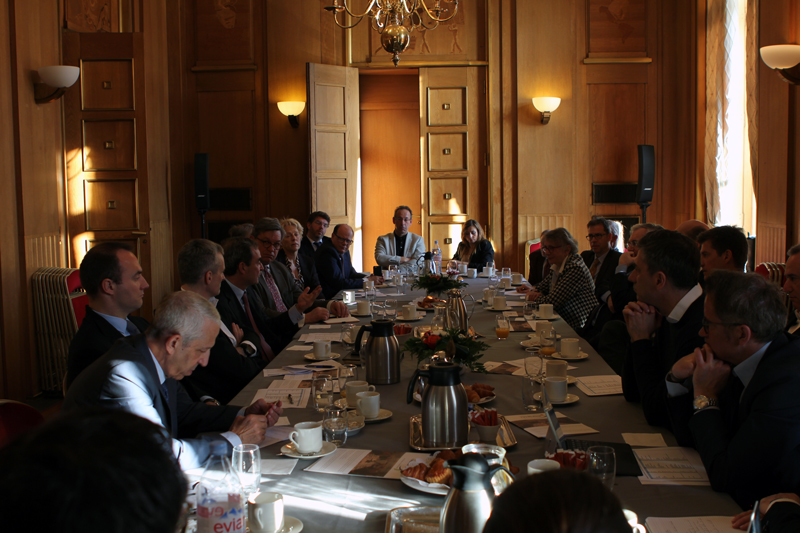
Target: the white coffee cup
(322, 350)
(516, 279)
(353, 388)
(537, 466)
(368, 404)
(462, 268)
(307, 437)
(265, 512)
(556, 369)
(506, 283)
(546, 310)
(570, 347)
(472, 273)
(488, 271)
(556, 388)
(499, 302)
(349, 297)
(488, 296)
(409, 312)
(543, 327)
(633, 521)
(363, 307)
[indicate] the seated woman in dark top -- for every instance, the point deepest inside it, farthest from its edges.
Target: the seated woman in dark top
(301, 266)
(474, 248)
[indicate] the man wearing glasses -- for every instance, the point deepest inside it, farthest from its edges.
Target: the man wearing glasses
(735, 399)
(603, 257)
(400, 247)
(664, 323)
(334, 267)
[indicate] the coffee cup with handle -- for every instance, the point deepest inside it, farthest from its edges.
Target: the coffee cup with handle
(353, 388)
(265, 512)
(570, 347)
(322, 350)
(363, 307)
(409, 312)
(499, 302)
(368, 404)
(556, 388)
(307, 437)
(546, 310)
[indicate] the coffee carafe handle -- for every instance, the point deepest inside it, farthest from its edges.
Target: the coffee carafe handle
(413, 384)
(357, 347)
(473, 305)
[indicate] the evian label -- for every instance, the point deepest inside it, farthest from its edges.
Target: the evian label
(221, 517)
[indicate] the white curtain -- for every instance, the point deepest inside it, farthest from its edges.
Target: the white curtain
(731, 112)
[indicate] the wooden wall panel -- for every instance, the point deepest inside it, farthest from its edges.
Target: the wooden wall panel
(92, 15)
(224, 32)
(617, 29)
(226, 132)
(618, 108)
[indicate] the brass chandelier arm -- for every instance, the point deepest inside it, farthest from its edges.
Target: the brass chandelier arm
(438, 12)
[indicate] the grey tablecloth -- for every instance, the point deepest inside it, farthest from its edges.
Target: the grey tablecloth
(350, 503)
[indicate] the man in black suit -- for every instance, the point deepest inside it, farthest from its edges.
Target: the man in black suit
(235, 358)
(276, 286)
(334, 268)
(735, 399)
(664, 323)
(140, 375)
(317, 225)
(239, 303)
(603, 257)
(113, 281)
(722, 248)
(791, 286)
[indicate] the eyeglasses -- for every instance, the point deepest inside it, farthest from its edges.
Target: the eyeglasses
(593, 236)
(346, 241)
(633, 243)
(270, 245)
(548, 248)
(707, 323)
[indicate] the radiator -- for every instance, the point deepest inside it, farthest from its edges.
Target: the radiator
(54, 290)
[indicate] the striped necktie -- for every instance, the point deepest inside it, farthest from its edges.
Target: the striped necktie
(273, 290)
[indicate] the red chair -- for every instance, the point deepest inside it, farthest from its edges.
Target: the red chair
(16, 418)
(533, 245)
(77, 297)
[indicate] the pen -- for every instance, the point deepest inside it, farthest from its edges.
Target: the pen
(291, 401)
(320, 366)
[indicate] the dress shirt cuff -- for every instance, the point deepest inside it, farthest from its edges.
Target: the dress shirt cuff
(296, 315)
(254, 347)
(779, 500)
(231, 437)
(675, 389)
(605, 295)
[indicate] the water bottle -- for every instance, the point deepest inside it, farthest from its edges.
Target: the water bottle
(437, 257)
(220, 497)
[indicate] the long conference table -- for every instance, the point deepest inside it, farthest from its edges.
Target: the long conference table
(326, 502)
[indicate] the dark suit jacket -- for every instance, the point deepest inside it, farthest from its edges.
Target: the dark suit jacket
(536, 275)
(622, 292)
(602, 282)
(650, 360)
(782, 517)
(483, 253)
(287, 288)
(336, 273)
(310, 278)
(750, 446)
(307, 249)
(126, 378)
(94, 338)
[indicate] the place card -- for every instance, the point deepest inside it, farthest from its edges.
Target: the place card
(277, 467)
(600, 385)
(369, 463)
(651, 440)
(671, 466)
(536, 424)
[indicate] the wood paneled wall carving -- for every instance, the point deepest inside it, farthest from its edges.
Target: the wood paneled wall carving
(617, 28)
(90, 16)
(224, 32)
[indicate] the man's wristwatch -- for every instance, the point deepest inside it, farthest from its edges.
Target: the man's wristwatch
(702, 402)
(248, 349)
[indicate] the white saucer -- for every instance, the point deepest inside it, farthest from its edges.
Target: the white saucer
(571, 398)
(383, 414)
(289, 450)
(291, 525)
(419, 317)
(342, 403)
(536, 336)
(310, 357)
(571, 380)
(581, 355)
(555, 316)
(360, 316)
(354, 426)
(506, 308)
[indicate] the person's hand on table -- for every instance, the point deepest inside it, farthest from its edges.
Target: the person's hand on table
(710, 374)
(742, 520)
(533, 295)
(377, 279)
(251, 428)
(338, 309)
(272, 411)
(307, 298)
(524, 288)
(642, 320)
(318, 314)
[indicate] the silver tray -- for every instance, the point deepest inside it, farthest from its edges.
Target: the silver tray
(505, 437)
(413, 520)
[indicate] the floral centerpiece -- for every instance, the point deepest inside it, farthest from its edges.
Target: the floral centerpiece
(437, 283)
(466, 350)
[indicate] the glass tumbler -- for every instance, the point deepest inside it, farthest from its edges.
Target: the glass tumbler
(246, 462)
(321, 390)
(603, 464)
(334, 425)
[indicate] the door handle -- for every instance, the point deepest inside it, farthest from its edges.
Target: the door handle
(138, 233)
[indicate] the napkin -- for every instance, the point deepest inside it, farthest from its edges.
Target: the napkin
(277, 467)
(341, 320)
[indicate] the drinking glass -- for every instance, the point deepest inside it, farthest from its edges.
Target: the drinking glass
(494, 282)
(349, 333)
(400, 283)
(452, 267)
(437, 323)
(505, 273)
(390, 308)
(529, 311)
(334, 425)
(548, 342)
(490, 265)
(534, 364)
(345, 373)
(392, 272)
(502, 328)
(321, 390)
(603, 464)
(529, 388)
(246, 462)
(369, 295)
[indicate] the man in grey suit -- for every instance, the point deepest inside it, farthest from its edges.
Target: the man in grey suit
(139, 375)
(276, 286)
(399, 247)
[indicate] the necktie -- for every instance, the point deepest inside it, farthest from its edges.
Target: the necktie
(317, 244)
(593, 269)
(265, 349)
(131, 328)
(273, 290)
(165, 391)
(554, 279)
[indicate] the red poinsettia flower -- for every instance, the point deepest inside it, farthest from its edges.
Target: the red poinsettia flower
(431, 341)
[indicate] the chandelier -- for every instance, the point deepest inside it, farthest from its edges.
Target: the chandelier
(394, 20)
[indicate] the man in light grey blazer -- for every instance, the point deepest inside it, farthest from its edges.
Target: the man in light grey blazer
(139, 375)
(399, 247)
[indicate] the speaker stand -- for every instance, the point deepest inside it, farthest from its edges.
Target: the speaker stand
(644, 206)
(202, 213)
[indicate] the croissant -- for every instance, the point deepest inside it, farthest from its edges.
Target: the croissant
(438, 473)
(417, 472)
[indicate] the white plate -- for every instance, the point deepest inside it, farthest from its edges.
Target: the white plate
(310, 357)
(571, 380)
(506, 308)
(581, 355)
(430, 488)
(354, 427)
(291, 525)
(571, 398)
(485, 399)
(536, 336)
(383, 414)
(289, 450)
(419, 317)
(555, 316)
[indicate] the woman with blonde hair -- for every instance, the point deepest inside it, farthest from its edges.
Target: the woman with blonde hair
(301, 266)
(474, 247)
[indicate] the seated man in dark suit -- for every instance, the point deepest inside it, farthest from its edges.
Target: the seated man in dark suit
(722, 248)
(317, 225)
(334, 268)
(113, 281)
(276, 286)
(603, 257)
(791, 286)
(139, 375)
(235, 358)
(664, 323)
(780, 513)
(735, 399)
(240, 304)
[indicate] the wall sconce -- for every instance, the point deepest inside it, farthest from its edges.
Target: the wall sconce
(59, 77)
(291, 110)
(782, 58)
(546, 105)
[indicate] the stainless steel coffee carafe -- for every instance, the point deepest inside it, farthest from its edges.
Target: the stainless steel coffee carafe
(445, 421)
(381, 352)
(469, 502)
(456, 315)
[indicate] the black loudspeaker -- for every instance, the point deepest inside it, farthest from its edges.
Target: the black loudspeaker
(647, 173)
(201, 197)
